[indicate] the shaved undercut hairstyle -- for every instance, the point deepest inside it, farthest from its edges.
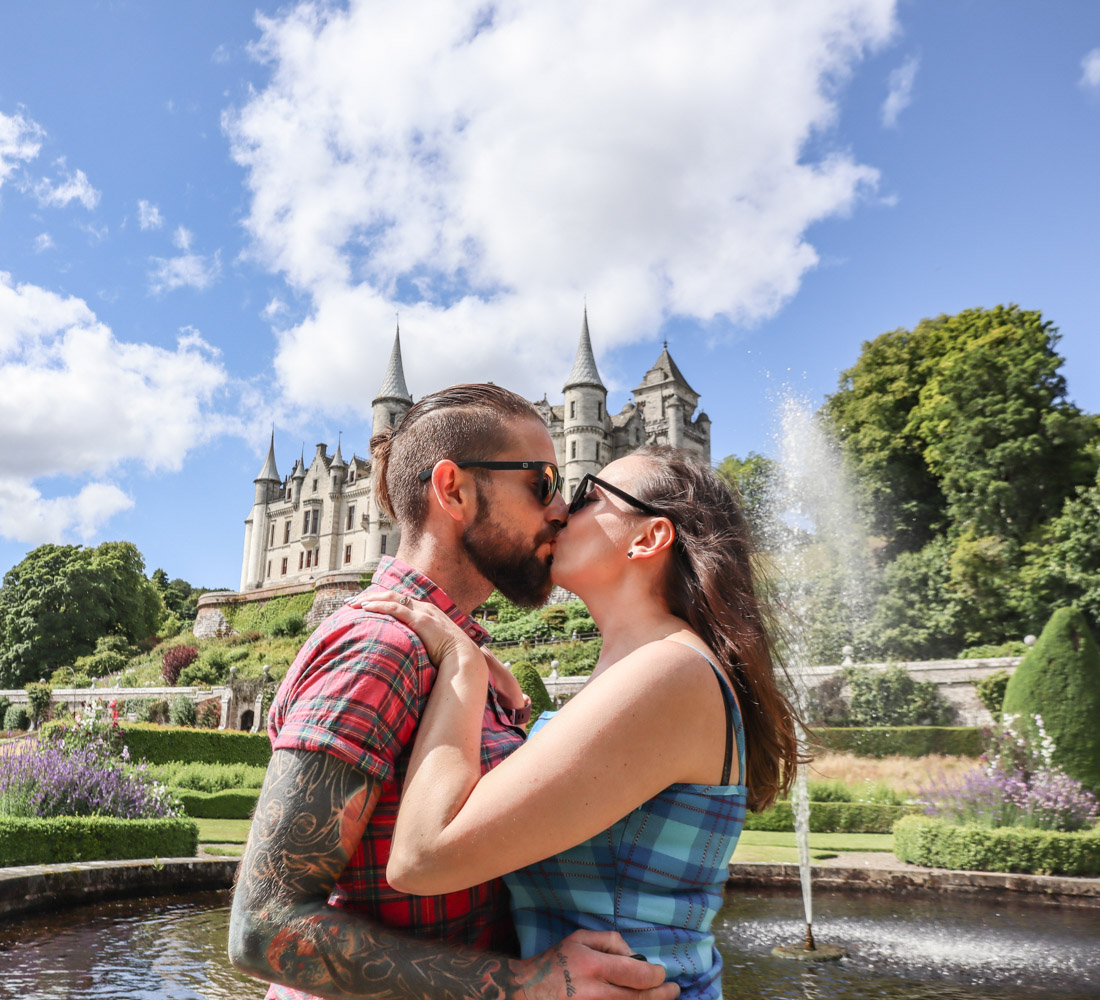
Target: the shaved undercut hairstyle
(465, 423)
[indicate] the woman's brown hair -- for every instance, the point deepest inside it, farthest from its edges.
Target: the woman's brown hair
(711, 585)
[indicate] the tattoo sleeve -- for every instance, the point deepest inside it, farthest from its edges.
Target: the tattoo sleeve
(309, 820)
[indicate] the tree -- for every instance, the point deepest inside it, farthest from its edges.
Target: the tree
(753, 479)
(60, 599)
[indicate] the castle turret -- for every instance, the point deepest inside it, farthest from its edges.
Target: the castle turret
(393, 399)
(585, 423)
(668, 402)
(255, 531)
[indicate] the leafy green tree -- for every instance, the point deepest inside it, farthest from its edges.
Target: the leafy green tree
(180, 598)
(754, 480)
(60, 599)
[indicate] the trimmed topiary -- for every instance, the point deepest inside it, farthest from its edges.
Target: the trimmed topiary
(16, 717)
(531, 683)
(1059, 679)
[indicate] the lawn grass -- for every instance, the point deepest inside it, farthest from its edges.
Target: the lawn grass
(223, 831)
(765, 845)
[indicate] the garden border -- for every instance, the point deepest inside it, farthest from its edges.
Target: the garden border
(37, 887)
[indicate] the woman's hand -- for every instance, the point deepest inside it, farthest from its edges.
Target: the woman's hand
(441, 637)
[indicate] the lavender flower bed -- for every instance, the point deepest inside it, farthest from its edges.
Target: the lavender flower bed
(1015, 785)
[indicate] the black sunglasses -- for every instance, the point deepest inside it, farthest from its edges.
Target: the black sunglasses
(581, 496)
(550, 481)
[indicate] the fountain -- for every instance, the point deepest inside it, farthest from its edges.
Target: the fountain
(813, 522)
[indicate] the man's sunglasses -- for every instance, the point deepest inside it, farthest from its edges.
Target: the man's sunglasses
(581, 496)
(550, 481)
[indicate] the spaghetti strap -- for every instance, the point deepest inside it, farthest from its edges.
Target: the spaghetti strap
(733, 718)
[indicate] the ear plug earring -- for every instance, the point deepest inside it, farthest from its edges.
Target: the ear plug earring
(630, 554)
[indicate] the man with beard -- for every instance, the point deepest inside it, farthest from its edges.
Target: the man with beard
(469, 475)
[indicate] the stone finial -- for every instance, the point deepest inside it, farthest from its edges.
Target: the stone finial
(846, 652)
(1030, 640)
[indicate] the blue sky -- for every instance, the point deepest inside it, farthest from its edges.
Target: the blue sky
(209, 214)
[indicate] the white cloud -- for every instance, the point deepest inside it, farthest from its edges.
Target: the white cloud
(149, 216)
(483, 176)
(43, 242)
(80, 403)
(901, 91)
(188, 270)
(20, 140)
(73, 187)
(1090, 70)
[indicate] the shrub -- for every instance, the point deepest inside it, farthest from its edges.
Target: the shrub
(100, 664)
(936, 843)
(829, 791)
(829, 817)
(163, 745)
(156, 712)
(96, 727)
(991, 692)
(555, 616)
(891, 697)
(207, 777)
(1059, 679)
(209, 714)
(531, 683)
(901, 741)
(174, 660)
(5, 704)
(172, 626)
(237, 803)
(38, 696)
(1013, 648)
(288, 626)
(66, 839)
(181, 711)
(212, 668)
(16, 717)
(243, 638)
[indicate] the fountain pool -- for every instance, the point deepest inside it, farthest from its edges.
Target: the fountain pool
(902, 948)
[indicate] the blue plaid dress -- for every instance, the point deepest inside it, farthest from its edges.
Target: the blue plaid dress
(656, 876)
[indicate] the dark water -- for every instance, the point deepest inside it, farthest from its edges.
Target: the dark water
(947, 948)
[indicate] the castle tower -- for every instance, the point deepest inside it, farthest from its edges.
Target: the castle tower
(668, 403)
(390, 405)
(255, 526)
(393, 399)
(586, 425)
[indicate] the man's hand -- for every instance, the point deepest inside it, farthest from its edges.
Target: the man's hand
(591, 965)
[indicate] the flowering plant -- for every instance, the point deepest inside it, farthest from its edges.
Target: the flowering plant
(47, 779)
(95, 727)
(1015, 784)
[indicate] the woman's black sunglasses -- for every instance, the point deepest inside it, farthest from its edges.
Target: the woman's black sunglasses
(581, 497)
(549, 483)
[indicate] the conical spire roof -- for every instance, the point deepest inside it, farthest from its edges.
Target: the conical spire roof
(269, 472)
(584, 366)
(338, 459)
(393, 382)
(665, 369)
(299, 470)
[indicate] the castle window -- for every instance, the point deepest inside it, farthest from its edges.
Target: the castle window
(314, 485)
(351, 519)
(573, 450)
(305, 523)
(347, 553)
(309, 558)
(301, 559)
(382, 550)
(286, 533)
(269, 567)
(599, 411)
(572, 408)
(271, 540)
(284, 565)
(316, 518)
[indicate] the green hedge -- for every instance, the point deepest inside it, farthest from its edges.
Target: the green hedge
(935, 843)
(235, 803)
(33, 841)
(830, 817)
(901, 741)
(163, 744)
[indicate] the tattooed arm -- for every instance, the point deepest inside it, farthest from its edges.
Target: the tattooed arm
(309, 820)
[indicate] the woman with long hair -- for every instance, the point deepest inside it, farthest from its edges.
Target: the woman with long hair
(622, 810)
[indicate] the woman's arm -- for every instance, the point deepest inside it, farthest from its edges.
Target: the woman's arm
(652, 719)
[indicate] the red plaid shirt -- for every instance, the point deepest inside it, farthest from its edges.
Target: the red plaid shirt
(356, 690)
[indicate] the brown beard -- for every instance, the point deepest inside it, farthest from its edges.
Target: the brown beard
(510, 563)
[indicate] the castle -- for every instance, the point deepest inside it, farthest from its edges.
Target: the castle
(322, 518)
